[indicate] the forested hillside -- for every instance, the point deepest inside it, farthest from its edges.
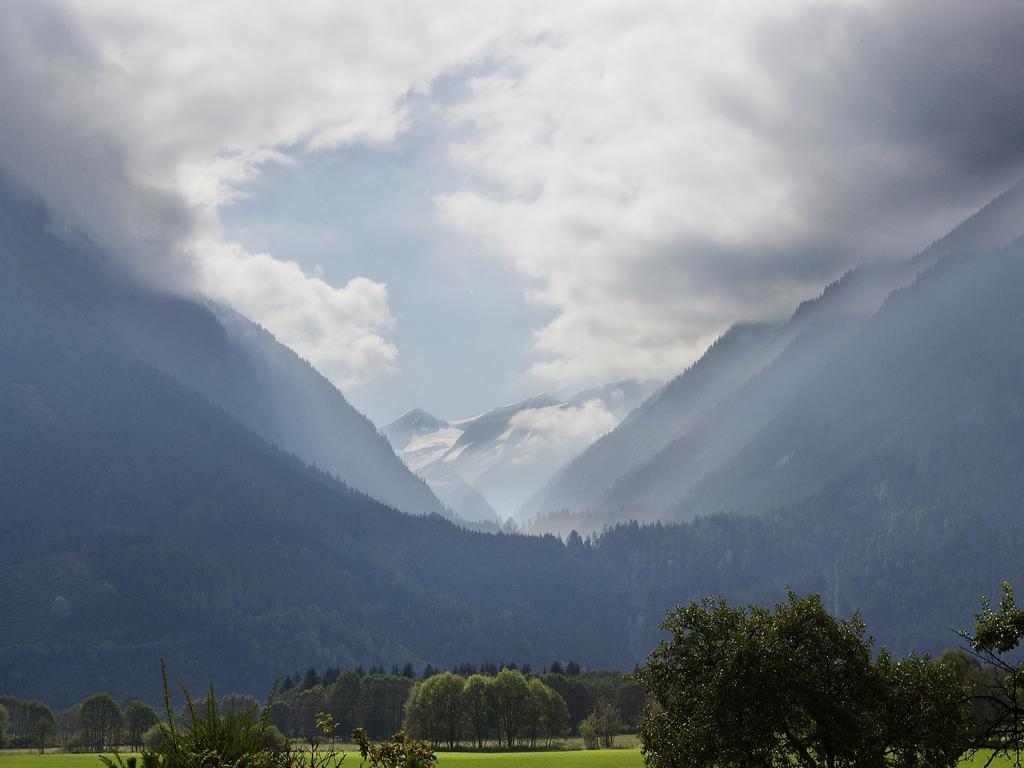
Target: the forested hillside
(142, 520)
(226, 358)
(718, 407)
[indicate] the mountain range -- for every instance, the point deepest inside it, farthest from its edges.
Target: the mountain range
(659, 463)
(165, 491)
(487, 466)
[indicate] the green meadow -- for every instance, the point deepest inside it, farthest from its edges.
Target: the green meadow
(603, 758)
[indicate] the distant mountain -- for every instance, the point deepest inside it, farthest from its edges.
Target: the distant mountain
(700, 420)
(242, 368)
(492, 463)
(140, 519)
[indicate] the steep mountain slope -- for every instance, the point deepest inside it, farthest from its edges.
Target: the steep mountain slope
(242, 368)
(141, 521)
(502, 456)
(891, 485)
(928, 393)
(731, 360)
(764, 377)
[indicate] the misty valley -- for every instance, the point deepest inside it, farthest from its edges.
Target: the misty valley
(511, 385)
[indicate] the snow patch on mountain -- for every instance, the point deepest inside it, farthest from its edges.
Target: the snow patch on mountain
(504, 455)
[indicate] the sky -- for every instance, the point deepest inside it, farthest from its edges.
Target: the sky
(451, 205)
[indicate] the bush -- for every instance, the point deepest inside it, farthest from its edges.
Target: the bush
(153, 737)
(274, 739)
(588, 732)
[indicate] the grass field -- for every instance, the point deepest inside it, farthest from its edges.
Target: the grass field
(605, 758)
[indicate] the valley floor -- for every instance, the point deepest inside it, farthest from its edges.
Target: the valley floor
(604, 758)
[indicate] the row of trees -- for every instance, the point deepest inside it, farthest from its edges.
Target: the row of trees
(96, 723)
(378, 701)
(312, 678)
(508, 709)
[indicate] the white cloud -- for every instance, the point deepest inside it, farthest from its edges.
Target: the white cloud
(136, 122)
(567, 428)
(661, 170)
(341, 330)
(657, 170)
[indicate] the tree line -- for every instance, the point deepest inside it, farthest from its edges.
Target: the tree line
(379, 701)
(507, 710)
(96, 723)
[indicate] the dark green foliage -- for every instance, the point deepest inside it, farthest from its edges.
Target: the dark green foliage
(5, 724)
(235, 560)
(508, 709)
(139, 718)
(601, 726)
(400, 752)
(42, 730)
(210, 739)
(999, 691)
(103, 454)
(754, 687)
(99, 719)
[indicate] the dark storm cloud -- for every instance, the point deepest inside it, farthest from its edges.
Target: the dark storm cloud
(57, 143)
(911, 110)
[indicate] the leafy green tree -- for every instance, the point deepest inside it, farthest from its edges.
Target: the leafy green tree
(67, 726)
(312, 679)
(343, 700)
(5, 724)
(927, 719)
(556, 714)
(998, 632)
(281, 716)
(756, 687)
(602, 725)
(588, 733)
(533, 712)
(476, 705)
(139, 717)
(510, 700)
(99, 719)
(418, 719)
(43, 729)
(444, 692)
(236, 703)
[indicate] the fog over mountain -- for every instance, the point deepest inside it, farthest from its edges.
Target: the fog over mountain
(142, 520)
(635, 217)
(707, 415)
(492, 463)
(237, 238)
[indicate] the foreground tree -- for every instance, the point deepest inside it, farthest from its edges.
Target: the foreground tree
(754, 687)
(999, 694)
(400, 752)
